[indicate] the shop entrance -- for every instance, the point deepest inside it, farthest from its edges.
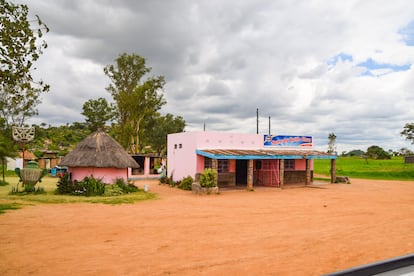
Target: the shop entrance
(241, 172)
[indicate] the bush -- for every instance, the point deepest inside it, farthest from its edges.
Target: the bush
(90, 186)
(113, 190)
(5, 183)
(164, 180)
(186, 183)
(208, 178)
(65, 185)
(126, 187)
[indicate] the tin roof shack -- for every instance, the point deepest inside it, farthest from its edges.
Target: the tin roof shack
(244, 159)
(100, 156)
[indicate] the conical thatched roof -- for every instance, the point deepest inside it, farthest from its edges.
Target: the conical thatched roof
(99, 150)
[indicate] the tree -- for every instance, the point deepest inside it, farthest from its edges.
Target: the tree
(331, 143)
(135, 100)
(19, 49)
(6, 150)
(376, 152)
(97, 113)
(160, 127)
(408, 132)
(405, 152)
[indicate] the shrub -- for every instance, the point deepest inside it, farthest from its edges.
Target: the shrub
(126, 187)
(164, 180)
(65, 185)
(5, 183)
(186, 183)
(92, 186)
(208, 178)
(113, 190)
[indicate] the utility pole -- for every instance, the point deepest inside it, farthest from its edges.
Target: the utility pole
(257, 120)
(270, 133)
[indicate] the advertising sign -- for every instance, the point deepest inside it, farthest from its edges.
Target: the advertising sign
(287, 141)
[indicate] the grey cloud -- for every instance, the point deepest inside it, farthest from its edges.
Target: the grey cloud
(224, 59)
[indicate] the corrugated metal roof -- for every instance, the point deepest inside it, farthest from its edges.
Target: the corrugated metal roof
(264, 154)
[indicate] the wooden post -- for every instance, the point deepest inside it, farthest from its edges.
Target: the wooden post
(308, 173)
(281, 172)
(333, 170)
(250, 175)
(214, 164)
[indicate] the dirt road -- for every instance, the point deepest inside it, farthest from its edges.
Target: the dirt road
(300, 231)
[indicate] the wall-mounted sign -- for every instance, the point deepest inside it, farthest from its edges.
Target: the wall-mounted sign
(287, 141)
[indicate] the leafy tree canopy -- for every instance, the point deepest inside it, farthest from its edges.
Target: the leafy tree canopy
(408, 132)
(157, 129)
(136, 100)
(19, 49)
(376, 152)
(97, 113)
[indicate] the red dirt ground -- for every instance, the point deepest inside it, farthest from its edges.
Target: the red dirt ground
(300, 231)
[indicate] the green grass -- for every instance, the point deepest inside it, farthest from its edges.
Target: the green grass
(49, 184)
(8, 206)
(357, 167)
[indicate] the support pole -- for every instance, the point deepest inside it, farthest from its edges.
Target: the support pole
(214, 163)
(257, 121)
(308, 173)
(333, 170)
(250, 175)
(270, 131)
(282, 172)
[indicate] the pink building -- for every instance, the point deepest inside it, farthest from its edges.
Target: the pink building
(244, 159)
(99, 156)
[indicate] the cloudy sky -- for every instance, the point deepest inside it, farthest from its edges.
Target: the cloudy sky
(314, 67)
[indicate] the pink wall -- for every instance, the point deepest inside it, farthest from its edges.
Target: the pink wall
(108, 175)
(183, 160)
(300, 165)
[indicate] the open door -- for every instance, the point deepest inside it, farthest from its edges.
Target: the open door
(241, 172)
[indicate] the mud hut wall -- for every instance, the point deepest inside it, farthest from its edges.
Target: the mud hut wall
(108, 175)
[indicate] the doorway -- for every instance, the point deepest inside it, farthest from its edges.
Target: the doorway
(241, 172)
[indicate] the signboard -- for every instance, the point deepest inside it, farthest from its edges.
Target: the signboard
(287, 141)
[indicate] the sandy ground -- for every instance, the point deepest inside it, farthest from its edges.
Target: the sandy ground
(300, 231)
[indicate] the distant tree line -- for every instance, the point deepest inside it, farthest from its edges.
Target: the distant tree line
(376, 152)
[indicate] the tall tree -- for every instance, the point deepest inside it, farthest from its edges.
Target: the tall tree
(20, 47)
(160, 127)
(408, 132)
(331, 143)
(6, 150)
(136, 100)
(97, 113)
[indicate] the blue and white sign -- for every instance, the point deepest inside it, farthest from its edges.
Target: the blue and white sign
(287, 141)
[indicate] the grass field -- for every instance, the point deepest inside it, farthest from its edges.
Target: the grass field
(393, 169)
(8, 202)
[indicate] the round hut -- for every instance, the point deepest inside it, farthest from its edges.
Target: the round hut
(100, 156)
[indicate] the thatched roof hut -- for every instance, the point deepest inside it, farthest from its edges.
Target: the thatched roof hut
(99, 150)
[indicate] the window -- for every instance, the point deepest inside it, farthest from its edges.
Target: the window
(223, 166)
(208, 164)
(290, 164)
